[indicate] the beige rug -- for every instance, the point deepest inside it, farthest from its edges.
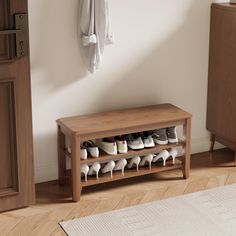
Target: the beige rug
(206, 213)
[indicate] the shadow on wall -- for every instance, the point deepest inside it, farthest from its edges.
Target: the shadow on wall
(177, 60)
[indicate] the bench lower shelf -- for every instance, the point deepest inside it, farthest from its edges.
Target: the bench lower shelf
(129, 173)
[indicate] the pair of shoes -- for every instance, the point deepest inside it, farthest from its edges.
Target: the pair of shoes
(136, 161)
(111, 165)
(140, 140)
(113, 145)
(85, 148)
(164, 155)
(94, 169)
(163, 136)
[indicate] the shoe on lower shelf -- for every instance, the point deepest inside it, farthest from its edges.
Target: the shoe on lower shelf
(120, 165)
(147, 160)
(109, 167)
(172, 134)
(84, 169)
(173, 154)
(134, 142)
(108, 145)
(164, 155)
(159, 136)
(134, 162)
(92, 148)
(94, 169)
(121, 144)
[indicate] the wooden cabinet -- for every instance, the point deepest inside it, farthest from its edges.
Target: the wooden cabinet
(221, 104)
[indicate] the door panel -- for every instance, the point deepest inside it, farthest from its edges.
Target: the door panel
(16, 141)
(8, 168)
(5, 53)
(221, 114)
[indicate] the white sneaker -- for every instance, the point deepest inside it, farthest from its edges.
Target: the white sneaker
(134, 143)
(147, 160)
(120, 165)
(94, 169)
(109, 167)
(92, 148)
(83, 152)
(84, 169)
(162, 155)
(134, 162)
(148, 141)
(121, 144)
(108, 145)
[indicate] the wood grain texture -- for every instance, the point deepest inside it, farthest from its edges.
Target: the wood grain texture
(123, 121)
(61, 156)
(16, 121)
(221, 101)
(53, 202)
(8, 167)
(5, 40)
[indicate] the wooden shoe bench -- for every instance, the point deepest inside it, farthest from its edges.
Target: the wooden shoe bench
(108, 124)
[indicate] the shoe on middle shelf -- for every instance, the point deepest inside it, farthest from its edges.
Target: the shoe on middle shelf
(108, 145)
(83, 152)
(91, 148)
(134, 141)
(147, 139)
(159, 136)
(121, 144)
(172, 134)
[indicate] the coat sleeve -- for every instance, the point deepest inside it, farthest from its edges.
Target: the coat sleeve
(87, 24)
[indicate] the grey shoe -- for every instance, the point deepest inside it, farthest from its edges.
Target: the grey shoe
(159, 136)
(134, 142)
(172, 134)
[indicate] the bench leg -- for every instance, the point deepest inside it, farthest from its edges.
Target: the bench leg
(75, 168)
(187, 138)
(61, 156)
(235, 159)
(212, 142)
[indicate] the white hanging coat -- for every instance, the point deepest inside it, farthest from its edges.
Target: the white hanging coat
(94, 31)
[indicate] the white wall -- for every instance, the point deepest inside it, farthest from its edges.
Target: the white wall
(160, 55)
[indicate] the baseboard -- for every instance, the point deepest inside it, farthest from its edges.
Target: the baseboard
(49, 172)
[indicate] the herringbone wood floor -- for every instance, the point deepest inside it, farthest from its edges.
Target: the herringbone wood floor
(54, 205)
